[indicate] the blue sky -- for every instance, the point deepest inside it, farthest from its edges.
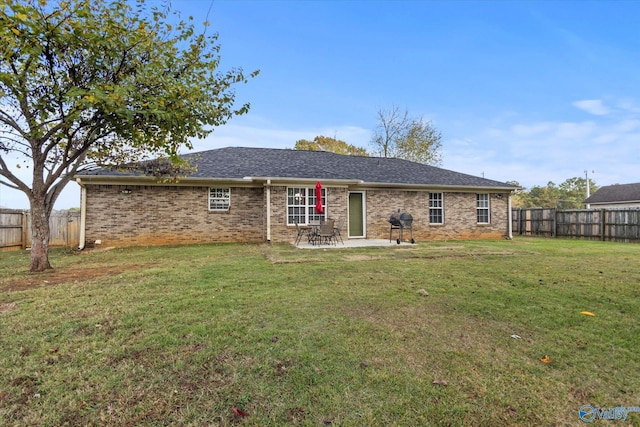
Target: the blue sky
(526, 91)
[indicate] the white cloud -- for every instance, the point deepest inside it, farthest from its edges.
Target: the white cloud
(536, 152)
(575, 131)
(592, 106)
(525, 131)
(460, 142)
(606, 138)
(628, 105)
(627, 125)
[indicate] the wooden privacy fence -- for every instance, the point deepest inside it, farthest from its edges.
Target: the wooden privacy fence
(15, 229)
(622, 225)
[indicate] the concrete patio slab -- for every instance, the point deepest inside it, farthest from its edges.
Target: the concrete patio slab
(353, 243)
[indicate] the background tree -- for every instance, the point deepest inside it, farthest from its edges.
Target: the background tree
(568, 195)
(87, 82)
(399, 135)
(544, 197)
(325, 143)
(520, 197)
(573, 192)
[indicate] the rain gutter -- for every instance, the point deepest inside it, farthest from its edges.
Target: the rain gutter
(509, 218)
(139, 180)
(463, 188)
(268, 191)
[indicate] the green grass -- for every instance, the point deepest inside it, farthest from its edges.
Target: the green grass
(181, 335)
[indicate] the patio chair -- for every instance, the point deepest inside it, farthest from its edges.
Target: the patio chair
(301, 231)
(325, 232)
(336, 231)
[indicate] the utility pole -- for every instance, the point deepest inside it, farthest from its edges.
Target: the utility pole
(586, 176)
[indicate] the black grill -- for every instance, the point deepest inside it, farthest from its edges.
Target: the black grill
(401, 221)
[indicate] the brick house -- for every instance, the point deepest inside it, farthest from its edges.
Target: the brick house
(256, 194)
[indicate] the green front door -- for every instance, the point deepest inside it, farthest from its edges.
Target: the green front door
(356, 215)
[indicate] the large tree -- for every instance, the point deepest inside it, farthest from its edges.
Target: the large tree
(85, 82)
(325, 143)
(411, 138)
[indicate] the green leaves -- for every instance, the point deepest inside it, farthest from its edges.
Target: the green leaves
(106, 74)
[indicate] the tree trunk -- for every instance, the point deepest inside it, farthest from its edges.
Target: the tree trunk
(39, 235)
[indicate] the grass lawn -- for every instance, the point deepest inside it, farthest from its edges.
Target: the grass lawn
(270, 335)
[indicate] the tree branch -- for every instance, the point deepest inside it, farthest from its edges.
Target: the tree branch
(17, 184)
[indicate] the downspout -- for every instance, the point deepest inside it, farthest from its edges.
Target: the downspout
(268, 211)
(510, 221)
(83, 215)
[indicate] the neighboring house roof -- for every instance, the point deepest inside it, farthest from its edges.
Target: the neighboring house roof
(619, 193)
(254, 164)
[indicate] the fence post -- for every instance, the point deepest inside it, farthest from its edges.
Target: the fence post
(554, 230)
(25, 226)
(66, 237)
(520, 221)
(603, 213)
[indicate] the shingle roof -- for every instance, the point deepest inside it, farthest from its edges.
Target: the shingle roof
(241, 162)
(618, 193)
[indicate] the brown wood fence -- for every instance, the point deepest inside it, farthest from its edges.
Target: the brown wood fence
(621, 225)
(15, 229)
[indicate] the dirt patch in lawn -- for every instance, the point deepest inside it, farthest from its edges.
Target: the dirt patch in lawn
(64, 275)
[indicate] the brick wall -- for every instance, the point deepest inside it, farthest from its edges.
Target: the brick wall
(459, 215)
(173, 215)
(153, 215)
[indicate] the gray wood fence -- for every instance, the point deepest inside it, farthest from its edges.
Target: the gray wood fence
(621, 225)
(15, 229)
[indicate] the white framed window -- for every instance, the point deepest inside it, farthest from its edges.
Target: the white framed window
(219, 199)
(482, 208)
(301, 205)
(436, 208)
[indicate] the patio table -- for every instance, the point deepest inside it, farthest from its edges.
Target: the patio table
(312, 231)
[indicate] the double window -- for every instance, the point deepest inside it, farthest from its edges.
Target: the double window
(301, 205)
(219, 199)
(482, 208)
(436, 209)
